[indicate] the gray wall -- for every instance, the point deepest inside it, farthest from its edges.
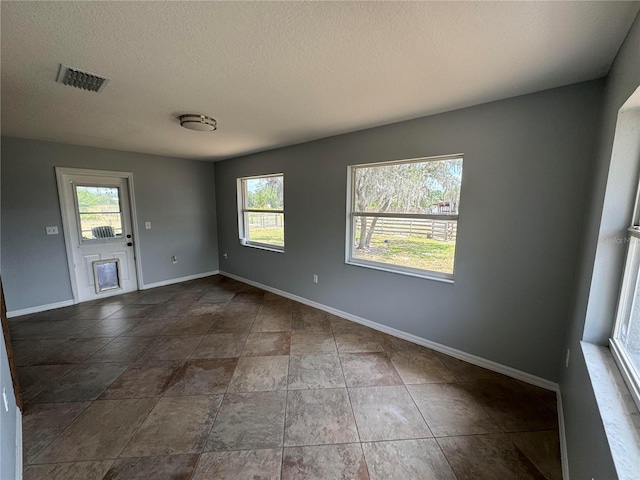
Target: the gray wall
(175, 195)
(599, 273)
(8, 419)
(526, 173)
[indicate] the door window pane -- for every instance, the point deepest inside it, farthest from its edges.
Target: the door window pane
(99, 212)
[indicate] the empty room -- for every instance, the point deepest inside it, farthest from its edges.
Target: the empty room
(320, 240)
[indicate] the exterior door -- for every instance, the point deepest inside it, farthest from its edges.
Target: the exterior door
(98, 230)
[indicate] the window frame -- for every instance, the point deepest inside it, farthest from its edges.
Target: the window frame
(243, 212)
(352, 214)
(630, 279)
(78, 214)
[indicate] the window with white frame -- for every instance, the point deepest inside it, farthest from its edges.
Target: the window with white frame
(625, 344)
(261, 211)
(403, 215)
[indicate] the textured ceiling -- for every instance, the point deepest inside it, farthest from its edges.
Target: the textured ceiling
(280, 73)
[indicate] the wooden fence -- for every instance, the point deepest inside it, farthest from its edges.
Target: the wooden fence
(445, 230)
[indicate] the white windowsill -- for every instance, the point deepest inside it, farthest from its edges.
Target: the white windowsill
(262, 247)
(620, 416)
(399, 271)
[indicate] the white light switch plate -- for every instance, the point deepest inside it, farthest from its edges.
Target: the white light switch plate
(52, 230)
(147, 225)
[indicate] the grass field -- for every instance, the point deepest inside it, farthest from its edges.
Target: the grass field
(408, 251)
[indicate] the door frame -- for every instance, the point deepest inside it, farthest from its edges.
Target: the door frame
(128, 176)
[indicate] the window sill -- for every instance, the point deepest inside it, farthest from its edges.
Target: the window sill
(398, 271)
(262, 247)
(618, 411)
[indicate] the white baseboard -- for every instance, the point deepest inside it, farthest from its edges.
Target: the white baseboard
(171, 281)
(459, 354)
(564, 456)
(39, 308)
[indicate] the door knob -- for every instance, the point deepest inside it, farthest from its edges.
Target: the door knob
(129, 244)
(129, 236)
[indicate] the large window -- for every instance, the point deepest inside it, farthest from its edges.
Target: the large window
(403, 215)
(625, 344)
(261, 211)
(99, 213)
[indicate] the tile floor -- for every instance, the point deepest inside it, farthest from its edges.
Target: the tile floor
(215, 379)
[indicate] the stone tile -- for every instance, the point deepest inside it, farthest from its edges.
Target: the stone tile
(85, 382)
(275, 308)
(143, 379)
(109, 327)
(451, 410)
(272, 323)
(56, 352)
(240, 310)
(190, 326)
(262, 464)
(42, 423)
(487, 457)
(172, 309)
(368, 369)
(511, 406)
(218, 296)
(326, 462)
(358, 343)
(221, 345)
(167, 467)
(133, 311)
(68, 471)
(317, 417)
(149, 327)
(175, 425)
(98, 312)
(35, 379)
(122, 349)
(420, 366)
(202, 377)
(393, 344)
(223, 324)
(249, 421)
(386, 413)
(310, 322)
(466, 372)
(260, 374)
(172, 348)
(251, 297)
(341, 326)
(542, 449)
(155, 297)
(44, 329)
(265, 344)
(201, 309)
(101, 431)
(315, 371)
(407, 460)
(312, 343)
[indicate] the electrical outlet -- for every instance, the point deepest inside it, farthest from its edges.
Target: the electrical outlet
(52, 230)
(315, 278)
(566, 361)
(147, 225)
(174, 259)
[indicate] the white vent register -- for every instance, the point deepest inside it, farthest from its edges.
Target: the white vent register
(74, 77)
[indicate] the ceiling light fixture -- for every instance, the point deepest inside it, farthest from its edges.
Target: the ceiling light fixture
(198, 122)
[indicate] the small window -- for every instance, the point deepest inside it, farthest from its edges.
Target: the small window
(99, 213)
(261, 211)
(403, 216)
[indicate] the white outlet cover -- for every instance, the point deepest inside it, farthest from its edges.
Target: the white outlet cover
(53, 230)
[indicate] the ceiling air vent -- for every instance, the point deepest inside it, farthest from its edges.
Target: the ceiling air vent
(74, 77)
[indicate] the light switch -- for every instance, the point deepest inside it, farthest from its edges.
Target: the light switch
(52, 230)
(147, 225)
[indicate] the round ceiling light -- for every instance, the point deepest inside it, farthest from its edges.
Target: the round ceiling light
(201, 123)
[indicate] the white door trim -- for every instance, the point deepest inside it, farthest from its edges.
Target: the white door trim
(60, 172)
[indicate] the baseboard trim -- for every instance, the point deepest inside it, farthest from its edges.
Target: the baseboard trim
(171, 281)
(564, 455)
(459, 354)
(39, 308)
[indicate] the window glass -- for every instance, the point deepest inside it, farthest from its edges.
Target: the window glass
(99, 212)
